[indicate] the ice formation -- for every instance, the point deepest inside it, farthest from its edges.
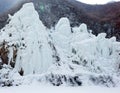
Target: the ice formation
(72, 54)
(28, 35)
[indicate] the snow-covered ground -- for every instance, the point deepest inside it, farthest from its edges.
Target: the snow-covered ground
(61, 89)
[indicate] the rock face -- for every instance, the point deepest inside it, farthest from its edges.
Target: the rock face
(61, 55)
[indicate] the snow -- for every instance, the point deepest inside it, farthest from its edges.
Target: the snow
(65, 55)
(34, 54)
(61, 89)
(63, 27)
(83, 28)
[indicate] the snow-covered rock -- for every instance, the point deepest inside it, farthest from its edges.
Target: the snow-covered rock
(9, 76)
(29, 36)
(63, 27)
(83, 28)
(63, 55)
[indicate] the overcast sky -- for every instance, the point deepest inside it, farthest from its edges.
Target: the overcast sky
(7, 4)
(96, 1)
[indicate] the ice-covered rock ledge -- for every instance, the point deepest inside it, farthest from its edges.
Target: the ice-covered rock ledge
(63, 55)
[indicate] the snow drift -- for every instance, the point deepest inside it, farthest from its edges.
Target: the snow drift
(63, 55)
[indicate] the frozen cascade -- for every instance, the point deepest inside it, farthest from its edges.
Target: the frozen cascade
(27, 32)
(61, 36)
(78, 52)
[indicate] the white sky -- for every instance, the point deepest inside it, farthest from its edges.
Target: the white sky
(96, 1)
